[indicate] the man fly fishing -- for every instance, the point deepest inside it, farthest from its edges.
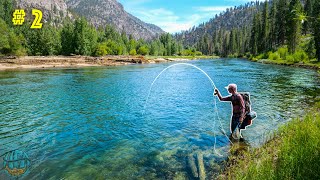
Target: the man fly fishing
(238, 109)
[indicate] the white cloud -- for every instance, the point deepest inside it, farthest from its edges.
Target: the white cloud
(211, 8)
(168, 20)
(179, 25)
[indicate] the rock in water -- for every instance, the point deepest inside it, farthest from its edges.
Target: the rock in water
(180, 176)
(192, 166)
(202, 171)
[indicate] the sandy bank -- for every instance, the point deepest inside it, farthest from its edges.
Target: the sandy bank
(42, 62)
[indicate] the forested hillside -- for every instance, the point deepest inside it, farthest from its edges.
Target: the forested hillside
(78, 37)
(102, 12)
(278, 29)
(234, 17)
(97, 12)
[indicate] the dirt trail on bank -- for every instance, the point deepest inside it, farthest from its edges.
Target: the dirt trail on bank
(40, 62)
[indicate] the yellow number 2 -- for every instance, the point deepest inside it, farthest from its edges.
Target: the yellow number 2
(37, 21)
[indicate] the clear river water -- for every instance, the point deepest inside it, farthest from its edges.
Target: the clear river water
(93, 123)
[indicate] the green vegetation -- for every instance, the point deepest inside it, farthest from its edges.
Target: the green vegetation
(10, 42)
(297, 44)
(293, 154)
(79, 38)
(275, 25)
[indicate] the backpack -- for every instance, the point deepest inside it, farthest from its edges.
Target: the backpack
(250, 115)
(247, 102)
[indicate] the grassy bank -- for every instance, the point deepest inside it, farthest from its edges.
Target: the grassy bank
(294, 153)
(312, 65)
(282, 57)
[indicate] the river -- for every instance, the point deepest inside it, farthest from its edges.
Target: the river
(93, 123)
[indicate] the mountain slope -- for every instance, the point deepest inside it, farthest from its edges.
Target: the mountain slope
(102, 12)
(53, 10)
(97, 12)
(237, 17)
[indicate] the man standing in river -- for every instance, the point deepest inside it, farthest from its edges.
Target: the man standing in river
(238, 106)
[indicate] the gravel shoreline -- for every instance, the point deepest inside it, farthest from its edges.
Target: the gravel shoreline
(44, 62)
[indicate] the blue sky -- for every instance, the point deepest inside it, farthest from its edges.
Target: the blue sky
(177, 15)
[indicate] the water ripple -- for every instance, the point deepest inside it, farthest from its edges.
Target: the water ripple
(88, 123)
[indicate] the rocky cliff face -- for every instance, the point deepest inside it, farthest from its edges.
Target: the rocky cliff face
(97, 12)
(102, 12)
(54, 11)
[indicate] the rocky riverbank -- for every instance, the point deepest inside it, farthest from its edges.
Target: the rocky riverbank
(42, 62)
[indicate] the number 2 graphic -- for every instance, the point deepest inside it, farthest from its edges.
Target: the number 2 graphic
(37, 21)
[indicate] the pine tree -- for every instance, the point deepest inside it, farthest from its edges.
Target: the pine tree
(85, 37)
(255, 32)
(124, 42)
(166, 40)
(215, 43)
(221, 50)
(1, 10)
(281, 21)
(132, 43)
(316, 27)
(225, 44)
(294, 25)
(265, 28)
(49, 41)
(111, 33)
(204, 44)
(180, 48)
(6, 11)
(10, 43)
(67, 39)
(308, 8)
(4, 39)
(273, 25)
(80, 40)
(246, 43)
(154, 49)
(100, 33)
(241, 36)
(174, 48)
(233, 42)
(124, 37)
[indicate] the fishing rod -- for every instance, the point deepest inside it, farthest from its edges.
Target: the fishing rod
(214, 98)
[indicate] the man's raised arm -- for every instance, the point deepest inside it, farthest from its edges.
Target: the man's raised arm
(217, 93)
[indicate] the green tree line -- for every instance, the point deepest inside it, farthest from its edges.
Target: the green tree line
(78, 37)
(280, 29)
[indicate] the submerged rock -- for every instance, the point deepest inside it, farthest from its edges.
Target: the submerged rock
(192, 166)
(201, 169)
(180, 176)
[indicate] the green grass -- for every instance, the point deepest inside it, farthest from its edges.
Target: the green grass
(294, 153)
(312, 64)
(283, 57)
